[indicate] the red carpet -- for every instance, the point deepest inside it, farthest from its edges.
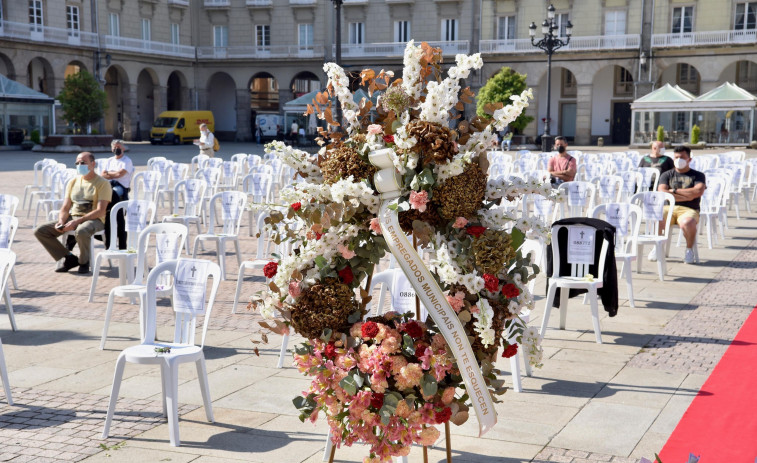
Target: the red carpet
(721, 422)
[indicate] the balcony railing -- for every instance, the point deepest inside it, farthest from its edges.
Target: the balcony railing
(216, 3)
(179, 2)
(704, 38)
(274, 51)
(146, 46)
(26, 31)
(259, 2)
(581, 43)
(302, 2)
(398, 48)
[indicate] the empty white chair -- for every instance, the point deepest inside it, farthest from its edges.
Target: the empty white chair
(145, 185)
(198, 162)
(138, 215)
(651, 178)
(632, 181)
(7, 261)
(212, 176)
(178, 172)
(188, 305)
(54, 197)
(609, 188)
(652, 206)
(229, 170)
(709, 208)
(45, 186)
(232, 204)
(258, 188)
(192, 192)
(586, 172)
(8, 229)
(8, 204)
(579, 198)
(211, 163)
(37, 182)
(155, 159)
(575, 278)
(401, 291)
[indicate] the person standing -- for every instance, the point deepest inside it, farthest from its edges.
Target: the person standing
(206, 141)
(118, 170)
(562, 166)
(294, 131)
(657, 159)
(83, 211)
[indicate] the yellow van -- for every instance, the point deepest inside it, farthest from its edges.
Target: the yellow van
(179, 126)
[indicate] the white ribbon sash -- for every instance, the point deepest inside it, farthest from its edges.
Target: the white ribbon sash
(431, 295)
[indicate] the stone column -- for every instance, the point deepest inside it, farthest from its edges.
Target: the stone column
(244, 129)
(583, 114)
(129, 112)
(160, 95)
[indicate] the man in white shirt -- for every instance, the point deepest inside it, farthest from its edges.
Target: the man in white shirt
(206, 142)
(118, 170)
(293, 131)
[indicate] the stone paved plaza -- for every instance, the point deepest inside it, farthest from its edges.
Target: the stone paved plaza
(617, 402)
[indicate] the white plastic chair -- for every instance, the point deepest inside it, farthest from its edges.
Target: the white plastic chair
(632, 181)
(575, 280)
(8, 229)
(4, 376)
(400, 290)
(262, 257)
(579, 198)
(169, 239)
(178, 173)
(192, 191)
(229, 170)
(232, 204)
(138, 215)
(8, 204)
(651, 177)
(37, 182)
(709, 208)
(258, 188)
(212, 176)
(586, 172)
(155, 159)
(7, 261)
(212, 163)
(198, 162)
(145, 185)
(626, 218)
(46, 188)
(651, 204)
(609, 188)
(183, 348)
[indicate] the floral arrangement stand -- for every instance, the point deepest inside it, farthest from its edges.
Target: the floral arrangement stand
(404, 167)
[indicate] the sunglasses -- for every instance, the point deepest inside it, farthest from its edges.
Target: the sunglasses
(81, 163)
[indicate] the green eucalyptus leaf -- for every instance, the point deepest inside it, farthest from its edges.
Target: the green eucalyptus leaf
(408, 347)
(428, 384)
(321, 262)
(354, 317)
(326, 334)
(517, 238)
(349, 385)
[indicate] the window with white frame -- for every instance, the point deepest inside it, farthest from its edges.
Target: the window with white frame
(401, 31)
(146, 33)
(220, 36)
(357, 33)
(683, 20)
(746, 75)
(615, 22)
(506, 27)
(688, 77)
(305, 36)
(623, 81)
(175, 34)
(263, 35)
(449, 30)
(114, 27)
(72, 20)
(561, 21)
(35, 15)
(746, 16)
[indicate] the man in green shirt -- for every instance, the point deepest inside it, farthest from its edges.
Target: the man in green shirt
(84, 206)
(657, 159)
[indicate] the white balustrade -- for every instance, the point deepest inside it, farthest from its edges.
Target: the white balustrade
(39, 33)
(273, 51)
(148, 46)
(704, 38)
(577, 43)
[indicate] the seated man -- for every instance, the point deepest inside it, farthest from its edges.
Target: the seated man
(687, 187)
(562, 167)
(117, 170)
(84, 205)
(657, 159)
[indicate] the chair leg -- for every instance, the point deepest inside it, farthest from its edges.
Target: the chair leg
(9, 306)
(240, 279)
(639, 254)
(249, 230)
(202, 377)
(661, 270)
(708, 225)
(282, 354)
(239, 252)
(120, 363)
(194, 247)
(108, 311)
(4, 375)
(170, 375)
(595, 315)
(327, 450)
(564, 293)
(515, 369)
(95, 274)
(629, 283)
(221, 251)
(163, 389)
(13, 278)
(547, 309)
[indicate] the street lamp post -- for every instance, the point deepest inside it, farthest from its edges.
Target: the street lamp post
(550, 43)
(338, 54)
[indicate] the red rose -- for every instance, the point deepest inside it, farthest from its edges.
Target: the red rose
(346, 275)
(475, 230)
(330, 351)
(510, 350)
(491, 282)
(369, 330)
(510, 291)
(318, 236)
(377, 400)
(420, 349)
(413, 329)
(443, 416)
(270, 269)
(388, 138)
(296, 206)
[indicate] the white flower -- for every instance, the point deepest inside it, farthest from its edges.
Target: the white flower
(411, 74)
(341, 84)
(483, 323)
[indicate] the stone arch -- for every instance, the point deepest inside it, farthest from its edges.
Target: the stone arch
(264, 92)
(148, 102)
(304, 82)
(40, 76)
(683, 74)
(74, 67)
(612, 94)
(222, 101)
(117, 93)
(563, 102)
(6, 67)
(742, 73)
(177, 91)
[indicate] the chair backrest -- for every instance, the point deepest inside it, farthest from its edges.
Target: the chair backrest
(145, 185)
(651, 177)
(8, 228)
(170, 239)
(258, 186)
(232, 204)
(213, 163)
(262, 169)
(99, 163)
(38, 167)
(401, 291)
(59, 182)
(179, 171)
(579, 268)
(164, 167)
(652, 204)
(212, 176)
(8, 204)
(499, 168)
(632, 181)
(726, 178)
(590, 170)
(193, 192)
(229, 170)
(7, 261)
(524, 165)
(189, 297)
(239, 158)
(579, 198)
(538, 206)
(138, 214)
(198, 162)
(609, 188)
(538, 175)
(251, 161)
(712, 199)
(153, 160)
(626, 218)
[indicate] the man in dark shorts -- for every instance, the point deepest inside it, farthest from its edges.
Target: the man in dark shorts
(657, 159)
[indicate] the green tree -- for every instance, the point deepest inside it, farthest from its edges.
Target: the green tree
(82, 99)
(499, 89)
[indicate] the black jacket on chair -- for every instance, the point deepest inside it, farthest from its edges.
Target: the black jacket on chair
(609, 292)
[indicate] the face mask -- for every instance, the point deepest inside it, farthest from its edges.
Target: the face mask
(118, 151)
(82, 169)
(680, 163)
(662, 150)
(560, 149)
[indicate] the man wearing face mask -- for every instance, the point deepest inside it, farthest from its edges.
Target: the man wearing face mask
(562, 167)
(657, 159)
(117, 169)
(83, 211)
(687, 187)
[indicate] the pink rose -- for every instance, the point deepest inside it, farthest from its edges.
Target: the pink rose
(375, 226)
(474, 309)
(294, 289)
(418, 200)
(375, 129)
(460, 222)
(345, 251)
(456, 301)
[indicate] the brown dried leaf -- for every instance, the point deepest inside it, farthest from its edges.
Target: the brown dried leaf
(256, 351)
(264, 337)
(367, 75)
(322, 98)
(459, 418)
(273, 287)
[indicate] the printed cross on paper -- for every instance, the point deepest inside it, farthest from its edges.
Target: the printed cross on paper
(193, 270)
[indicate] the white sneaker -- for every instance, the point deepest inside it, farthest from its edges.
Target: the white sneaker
(652, 255)
(688, 258)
